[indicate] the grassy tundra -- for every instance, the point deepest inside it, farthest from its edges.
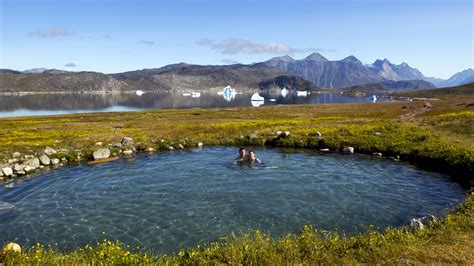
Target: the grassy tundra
(439, 138)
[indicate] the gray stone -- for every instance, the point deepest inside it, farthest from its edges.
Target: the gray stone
(33, 163)
(180, 146)
(116, 145)
(251, 136)
(27, 168)
(377, 154)
(63, 159)
(200, 144)
(170, 148)
(127, 152)
(7, 171)
(54, 161)
(101, 154)
(127, 141)
(1, 173)
(324, 150)
(49, 151)
(348, 150)
(378, 134)
(317, 134)
(20, 172)
(16, 155)
(44, 159)
(98, 143)
(18, 167)
(12, 161)
(279, 132)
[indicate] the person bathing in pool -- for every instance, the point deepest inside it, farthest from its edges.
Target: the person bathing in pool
(252, 158)
(242, 156)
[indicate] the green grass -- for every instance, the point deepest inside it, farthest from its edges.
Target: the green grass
(440, 138)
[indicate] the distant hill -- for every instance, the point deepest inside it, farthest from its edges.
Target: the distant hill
(460, 78)
(389, 86)
(467, 89)
(59, 82)
(344, 73)
(172, 77)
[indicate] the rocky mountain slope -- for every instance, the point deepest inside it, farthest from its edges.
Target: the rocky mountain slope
(389, 86)
(458, 79)
(177, 77)
(346, 72)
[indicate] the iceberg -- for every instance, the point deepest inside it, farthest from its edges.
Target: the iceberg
(256, 97)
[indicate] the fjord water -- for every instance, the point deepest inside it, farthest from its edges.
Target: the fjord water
(173, 200)
(53, 104)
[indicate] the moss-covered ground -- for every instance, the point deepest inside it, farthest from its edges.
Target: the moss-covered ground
(440, 138)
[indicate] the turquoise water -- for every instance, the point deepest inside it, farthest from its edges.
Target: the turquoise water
(173, 200)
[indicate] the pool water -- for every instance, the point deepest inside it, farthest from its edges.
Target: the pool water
(173, 200)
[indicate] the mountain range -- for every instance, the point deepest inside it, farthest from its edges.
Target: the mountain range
(311, 73)
(177, 77)
(351, 71)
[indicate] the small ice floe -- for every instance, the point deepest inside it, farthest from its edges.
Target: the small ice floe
(186, 94)
(228, 93)
(372, 98)
(256, 97)
(302, 93)
(284, 92)
(6, 207)
(195, 94)
(139, 92)
(272, 100)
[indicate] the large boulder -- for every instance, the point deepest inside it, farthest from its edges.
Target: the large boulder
(101, 154)
(49, 151)
(7, 171)
(44, 159)
(18, 167)
(33, 163)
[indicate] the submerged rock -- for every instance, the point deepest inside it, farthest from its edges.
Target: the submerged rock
(49, 151)
(101, 154)
(44, 159)
(6, 207)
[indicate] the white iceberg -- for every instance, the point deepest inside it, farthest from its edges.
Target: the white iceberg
(284, 92)
(256, 97)
(139, 92)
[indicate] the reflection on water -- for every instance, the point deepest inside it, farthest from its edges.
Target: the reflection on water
(51, 104)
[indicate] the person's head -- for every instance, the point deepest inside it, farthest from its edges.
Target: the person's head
(242, 152)
(251, 154)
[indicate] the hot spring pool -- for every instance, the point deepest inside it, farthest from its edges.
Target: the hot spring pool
(173, 200)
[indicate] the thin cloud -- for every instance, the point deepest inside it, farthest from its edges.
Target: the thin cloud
(70, 65)
(147, 42)
(53, 33)
(242, 46)
(229, 61)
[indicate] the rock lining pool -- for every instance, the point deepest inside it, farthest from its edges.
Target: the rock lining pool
(173, 200)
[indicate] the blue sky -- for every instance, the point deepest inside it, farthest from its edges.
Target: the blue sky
(113, 36)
